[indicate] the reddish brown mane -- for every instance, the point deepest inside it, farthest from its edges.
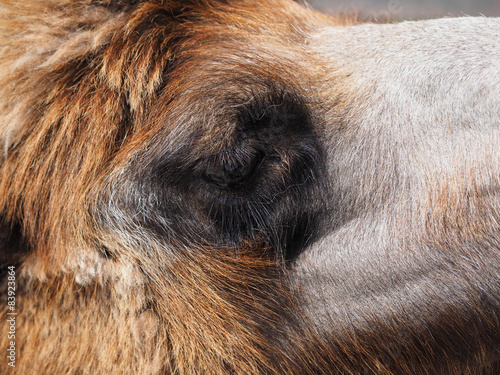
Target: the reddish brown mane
(185, 188)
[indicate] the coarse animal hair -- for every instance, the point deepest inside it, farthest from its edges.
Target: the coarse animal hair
(247, 187)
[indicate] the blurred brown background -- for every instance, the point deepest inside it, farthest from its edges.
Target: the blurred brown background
(409, 9)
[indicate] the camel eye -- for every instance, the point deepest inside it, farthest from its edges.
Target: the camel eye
(234, 168)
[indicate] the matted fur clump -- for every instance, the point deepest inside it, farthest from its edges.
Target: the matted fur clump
(246, 187)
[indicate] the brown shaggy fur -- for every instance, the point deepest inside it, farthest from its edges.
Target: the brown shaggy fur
(179, 180)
